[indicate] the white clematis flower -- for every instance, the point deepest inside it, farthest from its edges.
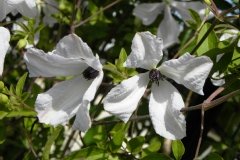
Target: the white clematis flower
(72, 57)
(165, 100)
(169, 29)
(4, 45)
(25, 7)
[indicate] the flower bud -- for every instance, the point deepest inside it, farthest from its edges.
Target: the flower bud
(3, 99)
(208, 2)
(21, 43)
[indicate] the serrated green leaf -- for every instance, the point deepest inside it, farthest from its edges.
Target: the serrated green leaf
(20, 85)
(213, 156)
(209, 43)
(178, 149)
(156, 156)
(135, 144)
(50, 141)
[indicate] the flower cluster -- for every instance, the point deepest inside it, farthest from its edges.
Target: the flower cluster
(74, 59)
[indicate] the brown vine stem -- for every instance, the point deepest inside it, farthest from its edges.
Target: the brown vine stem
(207, 106)
(101, 10)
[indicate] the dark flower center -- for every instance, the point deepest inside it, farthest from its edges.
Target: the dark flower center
(90, 73)
(155, 75)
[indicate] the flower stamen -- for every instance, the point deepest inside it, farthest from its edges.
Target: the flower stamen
(155, 75)
(90, 73)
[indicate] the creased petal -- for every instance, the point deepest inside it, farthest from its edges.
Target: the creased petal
(91, 91)
(183, 7)
(168, 29)
(123, 99)
(4, 9)
(72, 46)
(50, 65)
(82, 121)
(4, 45)
(148, 12)
(188, 70)
(27, 8)
(62, 101)
(164, 109)
(146, 51)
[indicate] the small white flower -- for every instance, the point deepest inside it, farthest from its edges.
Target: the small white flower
(168, 29)
(72, 57)
(165, 100)
(25, 7)
(230, 34)
(4, 45)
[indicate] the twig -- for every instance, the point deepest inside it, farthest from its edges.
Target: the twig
(201, 130)
(68, 142)
(101, 10)
(207, 105)
(75, 9)
(116, 121)
(187, 101)
(213, 103)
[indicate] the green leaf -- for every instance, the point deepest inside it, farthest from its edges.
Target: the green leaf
(89, 153)
(50, 141)
(196, 22)
(213, 156)
(209, 43)
(156, 156)
(95, 135)
(154, 146)
(118, 135)
(135, 144)
(3, 114)
(122, 58)
(178, 149)
(20, 84)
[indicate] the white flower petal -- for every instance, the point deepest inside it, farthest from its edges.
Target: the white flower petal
(62, 101)
(168, 29)
(4, 45)
(82, 121)
(148, 12)
(27, 8)
(164, 109)
(4, 9)
(72, 46)
(230, 33)
(188, 70)
(146, 51)
(50, 65)
(123, 99)
(182, 8)
(218, 79)
(92, 89)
